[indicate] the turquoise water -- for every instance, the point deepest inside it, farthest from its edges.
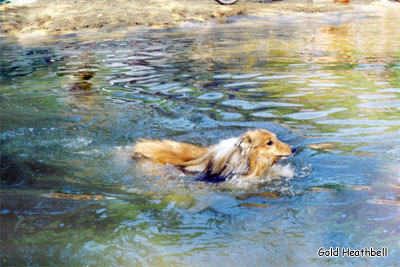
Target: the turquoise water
(71, 111)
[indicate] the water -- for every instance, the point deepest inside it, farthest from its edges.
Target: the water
(72, 110)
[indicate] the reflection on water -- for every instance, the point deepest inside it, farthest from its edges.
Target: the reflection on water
(71, 194)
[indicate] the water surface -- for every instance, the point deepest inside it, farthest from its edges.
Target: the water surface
(71, 111)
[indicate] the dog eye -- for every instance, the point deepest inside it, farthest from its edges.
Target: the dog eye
(270, 143)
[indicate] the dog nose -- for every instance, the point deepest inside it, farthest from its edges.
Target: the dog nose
(293, 150)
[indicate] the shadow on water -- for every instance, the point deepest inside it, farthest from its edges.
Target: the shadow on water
(71, 111)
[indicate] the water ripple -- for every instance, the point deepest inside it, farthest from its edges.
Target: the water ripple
(248, 105)
(380, 104)
(313, 114)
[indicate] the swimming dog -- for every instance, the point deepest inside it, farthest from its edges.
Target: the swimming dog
(248, 156)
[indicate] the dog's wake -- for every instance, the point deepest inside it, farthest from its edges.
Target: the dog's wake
(276, 173)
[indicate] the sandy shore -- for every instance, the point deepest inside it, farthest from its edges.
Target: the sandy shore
(52, 18)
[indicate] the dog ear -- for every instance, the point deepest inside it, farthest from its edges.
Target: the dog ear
(244, 141)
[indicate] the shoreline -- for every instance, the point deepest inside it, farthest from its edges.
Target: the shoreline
(44, 19)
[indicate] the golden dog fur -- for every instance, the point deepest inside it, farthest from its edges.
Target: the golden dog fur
(245, 157)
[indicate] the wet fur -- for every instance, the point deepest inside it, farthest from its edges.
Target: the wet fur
(245, 157)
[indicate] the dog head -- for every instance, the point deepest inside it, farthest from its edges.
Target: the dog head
(264, 142)
(262, 149)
